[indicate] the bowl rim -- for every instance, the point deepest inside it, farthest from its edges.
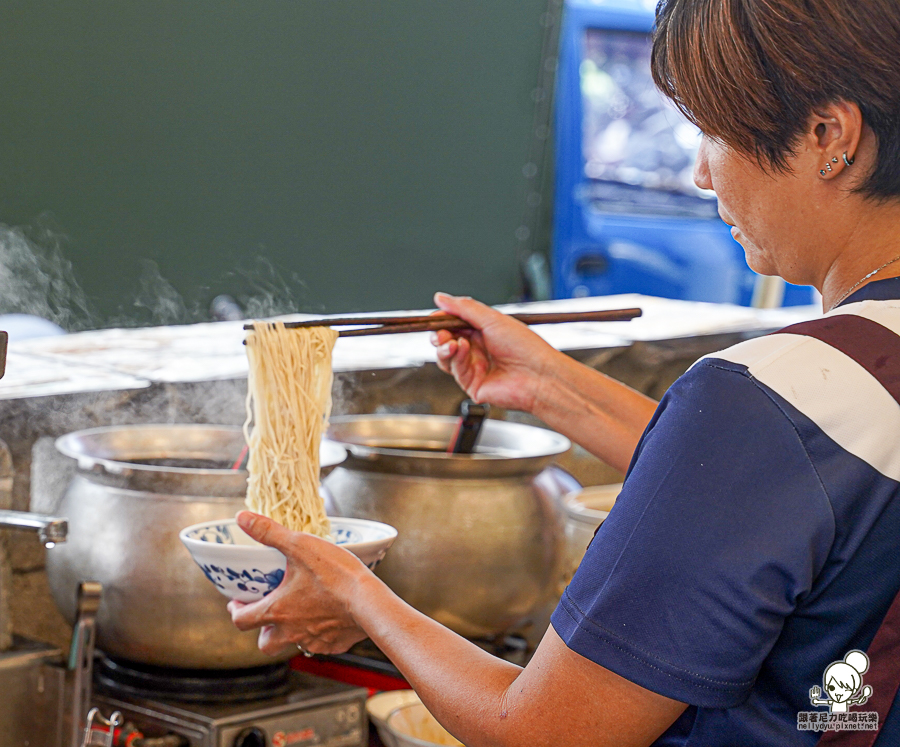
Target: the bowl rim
(578, 511)
(408, 695)
(189, 542)
(414, 740)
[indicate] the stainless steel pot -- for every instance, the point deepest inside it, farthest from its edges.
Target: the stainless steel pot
(481, 543)
(135, 488)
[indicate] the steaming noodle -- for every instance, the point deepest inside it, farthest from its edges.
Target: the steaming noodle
(288, 404)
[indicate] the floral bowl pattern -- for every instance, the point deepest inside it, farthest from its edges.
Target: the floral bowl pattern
(243, 569)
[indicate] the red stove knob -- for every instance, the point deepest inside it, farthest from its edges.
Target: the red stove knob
(251, 737)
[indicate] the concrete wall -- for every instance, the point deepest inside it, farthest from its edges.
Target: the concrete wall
(318, 156)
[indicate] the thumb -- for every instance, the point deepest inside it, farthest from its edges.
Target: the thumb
(265, 530)
(474, 312)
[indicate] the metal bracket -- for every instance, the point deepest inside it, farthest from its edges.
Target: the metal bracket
(81, 660)
(93, 736)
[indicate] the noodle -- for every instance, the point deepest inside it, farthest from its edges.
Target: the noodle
(288, 403)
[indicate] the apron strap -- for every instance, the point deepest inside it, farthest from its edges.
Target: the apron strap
(877, 349)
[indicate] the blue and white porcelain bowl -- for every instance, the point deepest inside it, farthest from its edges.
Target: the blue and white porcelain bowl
(243, 569)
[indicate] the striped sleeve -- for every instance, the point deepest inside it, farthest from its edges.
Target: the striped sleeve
(722, 526)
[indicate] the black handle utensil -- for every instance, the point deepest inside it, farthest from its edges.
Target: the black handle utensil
(471, 419)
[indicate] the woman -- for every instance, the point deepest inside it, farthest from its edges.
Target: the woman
(754, 541)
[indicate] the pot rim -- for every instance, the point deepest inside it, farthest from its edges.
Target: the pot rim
(508, 448)
(556, 443)
(72, 445)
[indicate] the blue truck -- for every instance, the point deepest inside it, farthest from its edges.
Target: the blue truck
(627, 215)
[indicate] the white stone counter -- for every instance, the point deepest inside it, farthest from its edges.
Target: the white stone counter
(128, 359)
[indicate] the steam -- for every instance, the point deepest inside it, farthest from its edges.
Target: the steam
(158, 301)
(36, 278)
(264, 290)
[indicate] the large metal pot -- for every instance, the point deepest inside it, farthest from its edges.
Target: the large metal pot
(135, 488)
(481, 543)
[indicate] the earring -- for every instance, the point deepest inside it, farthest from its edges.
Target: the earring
(848, 161)
(834, 159)
(823, 172)
(828, 166)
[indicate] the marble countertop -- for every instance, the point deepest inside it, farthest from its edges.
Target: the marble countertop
(116, 359)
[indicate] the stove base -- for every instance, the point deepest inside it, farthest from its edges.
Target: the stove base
(313, 711)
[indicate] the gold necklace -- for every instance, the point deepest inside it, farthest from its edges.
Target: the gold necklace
(861, 281)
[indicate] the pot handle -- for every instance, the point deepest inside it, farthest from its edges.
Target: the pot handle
(557, 482)
(51, 530)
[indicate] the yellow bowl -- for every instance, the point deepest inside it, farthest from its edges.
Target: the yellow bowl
(412, 725)
(381, 705)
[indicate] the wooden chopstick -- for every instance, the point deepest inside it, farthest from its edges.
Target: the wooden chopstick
(391, 325)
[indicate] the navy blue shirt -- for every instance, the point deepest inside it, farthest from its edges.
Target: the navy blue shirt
(756, 539)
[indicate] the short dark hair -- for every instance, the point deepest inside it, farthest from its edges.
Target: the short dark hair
(750, 73)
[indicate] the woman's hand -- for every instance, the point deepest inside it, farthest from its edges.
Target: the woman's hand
(311, 606)
(500, 361)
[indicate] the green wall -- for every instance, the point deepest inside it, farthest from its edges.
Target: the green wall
(368, 152)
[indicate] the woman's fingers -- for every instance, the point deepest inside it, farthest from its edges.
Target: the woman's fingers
(461, 364)
(248, 616)
(445, 354)
(272, 641)
(266, 531)
(455, 358)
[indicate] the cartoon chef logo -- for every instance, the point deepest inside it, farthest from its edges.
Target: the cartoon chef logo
(843, 681)
(843, 684)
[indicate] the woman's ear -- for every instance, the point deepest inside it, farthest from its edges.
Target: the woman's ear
(834, 134)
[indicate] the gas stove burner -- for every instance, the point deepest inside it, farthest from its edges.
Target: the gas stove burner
(191, 685)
